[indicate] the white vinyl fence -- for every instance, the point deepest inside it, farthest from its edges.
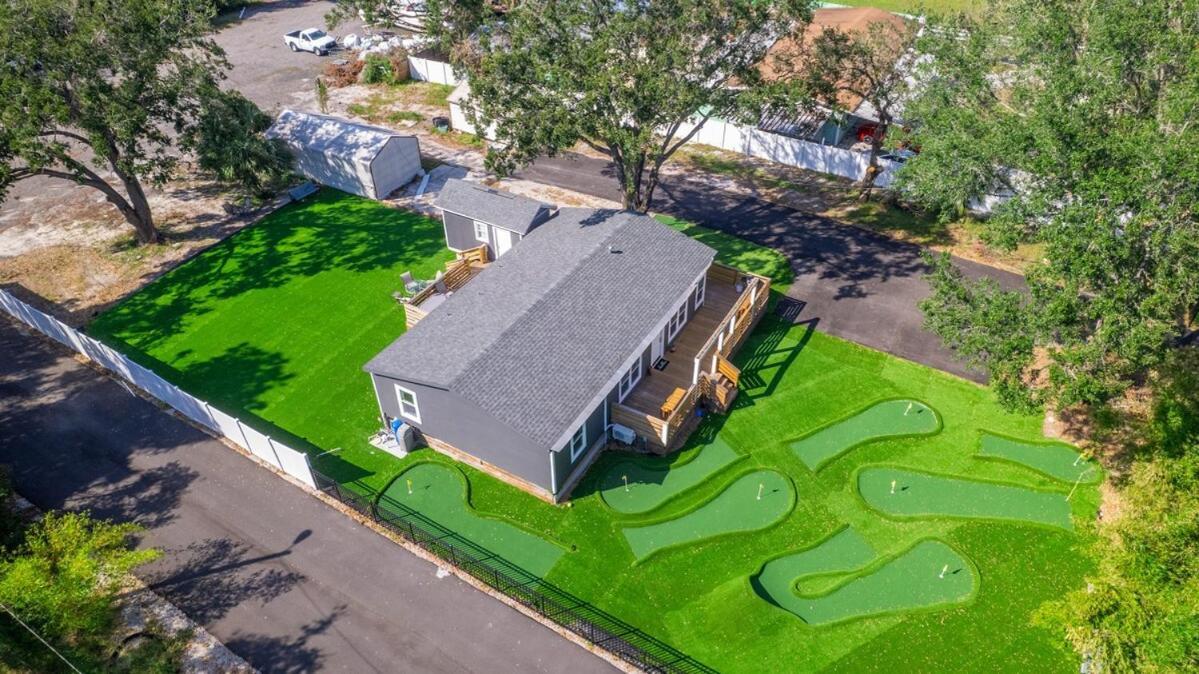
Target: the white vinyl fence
(804, 154)
(428, 70)
(270, 451)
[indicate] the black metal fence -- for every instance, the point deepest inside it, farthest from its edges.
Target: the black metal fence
(563, 609)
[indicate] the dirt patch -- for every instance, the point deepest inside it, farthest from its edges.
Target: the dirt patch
(78, 256)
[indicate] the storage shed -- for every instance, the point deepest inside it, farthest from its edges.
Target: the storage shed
(357, 158)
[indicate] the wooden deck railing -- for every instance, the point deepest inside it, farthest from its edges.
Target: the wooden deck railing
(457, 272)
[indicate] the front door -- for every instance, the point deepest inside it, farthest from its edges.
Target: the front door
(503, 241)
(655, 348)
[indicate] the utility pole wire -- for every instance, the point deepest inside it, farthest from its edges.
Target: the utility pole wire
(39, 638)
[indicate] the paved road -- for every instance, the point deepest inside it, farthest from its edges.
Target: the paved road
(285, 581)
(862, 286)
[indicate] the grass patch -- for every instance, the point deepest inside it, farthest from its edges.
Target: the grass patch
(441, 493)
(738, 252)
(905, 493)
(404, 116)
(640, 485)
(929, 575)
(753, 502)
(1057, 460)
(275, 323)
(461, 139)
(887, 419)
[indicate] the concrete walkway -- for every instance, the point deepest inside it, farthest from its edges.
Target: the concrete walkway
(285, 581)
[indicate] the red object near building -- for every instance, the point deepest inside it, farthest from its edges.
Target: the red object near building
(866, 132)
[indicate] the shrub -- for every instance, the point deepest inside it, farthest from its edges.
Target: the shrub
(377, 70)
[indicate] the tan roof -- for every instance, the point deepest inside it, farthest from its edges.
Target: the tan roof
(774, 66)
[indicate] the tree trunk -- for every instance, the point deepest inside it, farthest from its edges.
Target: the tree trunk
(137, 210)
(866, 184)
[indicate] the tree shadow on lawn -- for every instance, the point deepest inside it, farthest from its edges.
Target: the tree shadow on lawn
(328, 231)
(761, 370)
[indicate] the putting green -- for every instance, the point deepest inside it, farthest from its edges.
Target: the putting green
(441, 494)
(842, 552)
(887, 419)
(1054, 459)
(906, 493)
(651, 483)
(929, 574)
(755, 501)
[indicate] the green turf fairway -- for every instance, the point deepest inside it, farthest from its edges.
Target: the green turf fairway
(887, 419)
(440, 493)
(1057, 460)
(917, 494)
(929, 575)
(841, 553)
(653, 481)
(753, 502)
(279, 322)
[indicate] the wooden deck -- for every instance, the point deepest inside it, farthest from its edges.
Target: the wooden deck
(657, 385)
(458, 272)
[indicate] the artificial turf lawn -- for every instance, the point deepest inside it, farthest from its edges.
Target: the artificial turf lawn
(696, 597)
(440, 493)
(930, 574)
(886, 419)
(641, 484)
(274, 324)
(1057, 460)
(905, 493)
(754, 501)
(841, 553)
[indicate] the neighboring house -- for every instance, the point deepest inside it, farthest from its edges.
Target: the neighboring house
(357, 158)
(475, 215)
(597, 320)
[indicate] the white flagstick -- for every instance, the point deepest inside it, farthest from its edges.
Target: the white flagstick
(626, 482)
(944, 569)
(909, 409)
(760, 485)
(410, 487)
(892, 486)
(1078, 482)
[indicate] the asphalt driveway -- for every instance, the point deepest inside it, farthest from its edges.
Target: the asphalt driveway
(286, 582)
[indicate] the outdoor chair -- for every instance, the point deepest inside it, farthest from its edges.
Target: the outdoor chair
(411, 285)
(439, 283)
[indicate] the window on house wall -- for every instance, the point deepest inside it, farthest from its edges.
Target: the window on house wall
(676, 322)
(629, 380)
(481, 231)
(700, 289)
(578, 442)
(409, 408)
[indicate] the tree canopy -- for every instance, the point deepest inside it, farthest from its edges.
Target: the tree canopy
(106, 93)
(1084, 112)
(626, 79)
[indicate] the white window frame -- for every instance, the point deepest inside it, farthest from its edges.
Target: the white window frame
(676, 323)
(629, 381)
(701, 289)
(578, 443)
(415, 414)
(482, 236)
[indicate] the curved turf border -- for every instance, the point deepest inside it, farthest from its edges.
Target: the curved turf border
(1099, 472)
(635, 459)
(797, 551)
(724, 534)
(994, 520)
(870, 568)
(937, 413)
(466, 500)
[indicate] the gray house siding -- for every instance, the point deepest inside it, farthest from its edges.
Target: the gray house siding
(460, 423)
(459, 231)
(562, 465)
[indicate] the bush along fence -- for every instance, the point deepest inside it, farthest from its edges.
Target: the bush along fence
(260, 445)
(552, 604)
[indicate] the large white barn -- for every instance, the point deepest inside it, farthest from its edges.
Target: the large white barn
(357, 158)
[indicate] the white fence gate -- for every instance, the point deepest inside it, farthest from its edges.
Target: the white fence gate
(269, 451)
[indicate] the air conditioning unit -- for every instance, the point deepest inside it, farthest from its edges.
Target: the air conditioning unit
(623, 434)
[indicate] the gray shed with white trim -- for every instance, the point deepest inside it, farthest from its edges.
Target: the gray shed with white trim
(357, 158)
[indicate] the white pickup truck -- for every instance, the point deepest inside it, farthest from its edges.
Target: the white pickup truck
(314, 40)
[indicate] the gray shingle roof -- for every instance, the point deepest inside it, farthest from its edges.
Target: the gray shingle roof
(535, 337)
(504, 209)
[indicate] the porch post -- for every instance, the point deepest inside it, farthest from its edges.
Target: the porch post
(695, 372)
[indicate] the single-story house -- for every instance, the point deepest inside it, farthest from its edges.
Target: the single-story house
(474, 214)
(357, 158)
(597, 323)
